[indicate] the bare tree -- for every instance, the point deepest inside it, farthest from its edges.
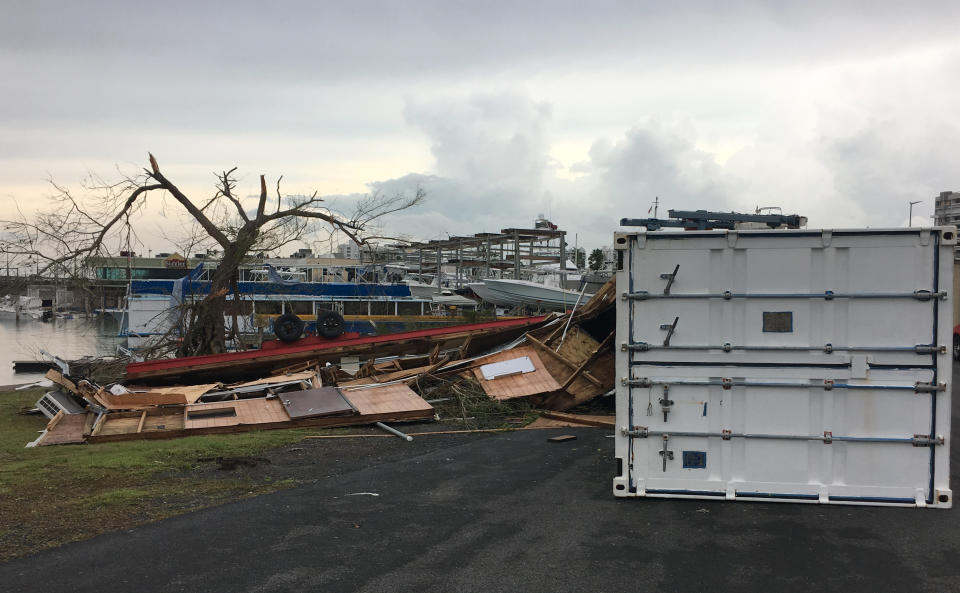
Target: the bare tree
(68, 237)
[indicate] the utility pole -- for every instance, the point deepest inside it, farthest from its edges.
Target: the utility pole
(910, 219)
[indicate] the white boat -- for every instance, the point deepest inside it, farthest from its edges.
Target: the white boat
(531, 294)
(446, 301)
(420, 289)
(23, 306)
(480, 289)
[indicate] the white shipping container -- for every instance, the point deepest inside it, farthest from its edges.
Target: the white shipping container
(788, 365)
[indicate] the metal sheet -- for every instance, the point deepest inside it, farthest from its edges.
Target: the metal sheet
(507, 367)
(311, 403)
(787, 396)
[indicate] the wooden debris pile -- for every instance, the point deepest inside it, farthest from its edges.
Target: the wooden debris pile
(284, 401)
(553, 363)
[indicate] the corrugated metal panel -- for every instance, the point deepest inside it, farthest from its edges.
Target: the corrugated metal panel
(786, 365)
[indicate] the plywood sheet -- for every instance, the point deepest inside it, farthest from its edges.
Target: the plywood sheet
(69, 429)
(520, 385)
(388, 399)
(247, 411)
(311, 403)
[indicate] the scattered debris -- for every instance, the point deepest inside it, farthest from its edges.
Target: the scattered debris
(394, 432)
(563, 438)
(482, 374)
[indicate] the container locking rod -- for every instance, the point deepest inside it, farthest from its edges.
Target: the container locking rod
(670, 278)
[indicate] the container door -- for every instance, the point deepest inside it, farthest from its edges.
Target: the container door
(786, 365)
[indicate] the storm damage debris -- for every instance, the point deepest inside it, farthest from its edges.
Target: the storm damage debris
(553, 363)
(297, 400)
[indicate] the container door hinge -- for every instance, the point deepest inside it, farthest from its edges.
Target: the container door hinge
(670, 278)
(670, 328)
(827, 437)
(929, 387)
(640, 432)
(926, 295)
(924, 440)
(665, 402)
(641, 382)
(665, 453)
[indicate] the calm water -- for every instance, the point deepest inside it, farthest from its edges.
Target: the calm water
(67, 338)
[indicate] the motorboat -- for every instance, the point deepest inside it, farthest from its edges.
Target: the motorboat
(530, 294)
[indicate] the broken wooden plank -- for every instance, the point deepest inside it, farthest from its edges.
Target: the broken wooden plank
(429, 432)
(55, 420)
(556, 356)
(143, 418)
(582, 419)
(590, 359)
(61, 379)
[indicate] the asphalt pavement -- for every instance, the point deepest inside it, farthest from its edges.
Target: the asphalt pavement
(503, 512)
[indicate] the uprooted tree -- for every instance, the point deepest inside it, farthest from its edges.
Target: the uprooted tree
(77, 231)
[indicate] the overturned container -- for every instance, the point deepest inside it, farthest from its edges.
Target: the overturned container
(785, 365)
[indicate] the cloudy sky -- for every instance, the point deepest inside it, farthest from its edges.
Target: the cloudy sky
(841, 111)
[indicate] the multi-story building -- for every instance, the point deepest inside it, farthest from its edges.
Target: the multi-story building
(947, 208)
(348, 250)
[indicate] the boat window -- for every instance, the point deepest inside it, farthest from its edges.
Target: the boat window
(354, 308)
(381, 308)
(410, 308)
(300, 307)
(269, 307)
(240, 307)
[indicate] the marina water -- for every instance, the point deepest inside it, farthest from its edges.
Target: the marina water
(22, 339)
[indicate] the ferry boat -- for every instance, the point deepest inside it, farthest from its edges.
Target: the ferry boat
(367, 308)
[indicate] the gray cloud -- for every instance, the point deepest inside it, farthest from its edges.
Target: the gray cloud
(841, 111)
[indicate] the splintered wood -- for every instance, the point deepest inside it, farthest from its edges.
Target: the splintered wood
(519, 384)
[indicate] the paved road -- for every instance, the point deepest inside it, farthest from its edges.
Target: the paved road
(509, 512)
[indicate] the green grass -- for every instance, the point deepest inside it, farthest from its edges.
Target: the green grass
(52, 495)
